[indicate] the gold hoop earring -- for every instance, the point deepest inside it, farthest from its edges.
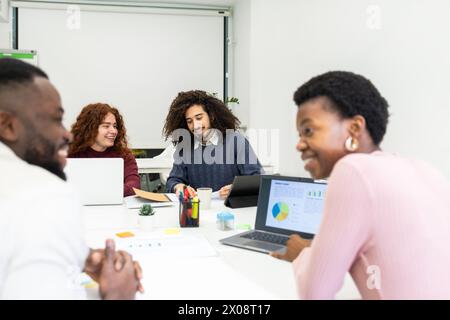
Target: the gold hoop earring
(351, 144)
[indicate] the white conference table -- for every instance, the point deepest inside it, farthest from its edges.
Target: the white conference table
(232, 273)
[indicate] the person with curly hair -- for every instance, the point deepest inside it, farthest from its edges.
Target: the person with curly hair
(386, 218)
(99, 132)
(210, 151)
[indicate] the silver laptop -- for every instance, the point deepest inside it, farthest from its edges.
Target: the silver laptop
(99, 181)
(286, 205)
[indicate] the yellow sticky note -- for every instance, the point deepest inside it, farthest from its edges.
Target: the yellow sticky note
(172, 231)
(125, 234)
(87, 282)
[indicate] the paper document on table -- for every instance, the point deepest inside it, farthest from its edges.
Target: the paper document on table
(135, 202)
(160, 197)
(168, 246)
(173, 197)
(215, 195)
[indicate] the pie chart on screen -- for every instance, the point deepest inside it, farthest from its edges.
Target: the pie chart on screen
(280, 211)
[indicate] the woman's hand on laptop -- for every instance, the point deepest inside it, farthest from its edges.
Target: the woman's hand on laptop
(224, 191)
(294, 246)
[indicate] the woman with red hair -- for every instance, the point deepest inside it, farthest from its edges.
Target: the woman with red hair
(99, 132)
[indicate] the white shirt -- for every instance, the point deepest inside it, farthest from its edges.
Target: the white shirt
(213, 139)
(42, 249)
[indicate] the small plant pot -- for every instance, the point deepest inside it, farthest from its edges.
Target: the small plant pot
(146, 223)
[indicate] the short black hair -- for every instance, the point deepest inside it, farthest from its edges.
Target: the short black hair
(13, 72)
(351, 94)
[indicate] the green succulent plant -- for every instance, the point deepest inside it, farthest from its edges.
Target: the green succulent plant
(146, 210)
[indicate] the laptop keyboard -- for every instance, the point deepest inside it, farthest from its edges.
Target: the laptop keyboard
(267, 237)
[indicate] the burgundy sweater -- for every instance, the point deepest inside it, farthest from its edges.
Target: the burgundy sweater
(131, 176)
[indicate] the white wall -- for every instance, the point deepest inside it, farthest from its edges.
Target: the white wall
(279, 44)
(405, 53)
(5, 34)
(240, 54)
(140, 63)
(5, 27)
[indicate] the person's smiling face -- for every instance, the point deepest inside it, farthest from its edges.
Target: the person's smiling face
(107, 133)
(197, 120)
(45, 137)
(322, 133)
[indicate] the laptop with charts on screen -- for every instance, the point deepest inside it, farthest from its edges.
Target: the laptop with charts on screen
(286, 205)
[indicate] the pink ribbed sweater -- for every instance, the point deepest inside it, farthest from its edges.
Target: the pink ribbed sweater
(387, 222)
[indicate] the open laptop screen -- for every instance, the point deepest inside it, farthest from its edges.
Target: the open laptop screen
(99, 181)
(290, 205)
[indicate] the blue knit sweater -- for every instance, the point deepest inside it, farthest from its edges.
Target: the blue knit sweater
(233, 156)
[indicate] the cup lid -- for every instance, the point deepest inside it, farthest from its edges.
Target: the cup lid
(225, 216)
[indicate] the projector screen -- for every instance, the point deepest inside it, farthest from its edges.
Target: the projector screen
(137, 62)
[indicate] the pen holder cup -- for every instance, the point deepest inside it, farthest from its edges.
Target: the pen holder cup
(189, 213)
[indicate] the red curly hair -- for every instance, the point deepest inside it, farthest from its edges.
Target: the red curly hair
(85, 129)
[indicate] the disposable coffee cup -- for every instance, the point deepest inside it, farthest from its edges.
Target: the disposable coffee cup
(204, 195)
